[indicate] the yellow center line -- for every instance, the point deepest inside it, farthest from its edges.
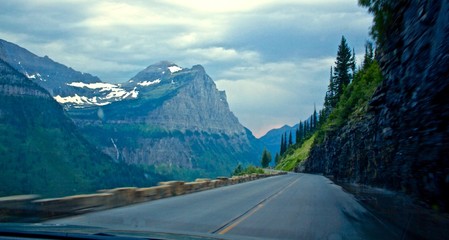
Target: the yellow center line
(254, 210)
(238, 221)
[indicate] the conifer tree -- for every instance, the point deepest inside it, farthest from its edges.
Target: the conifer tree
(314, 117)
(277, 159)
(353, 64)
(343, 65)
(290, 139)
(285, 143)
(299, 135)
(369, 54)
(330, 99)
(306, 129)
(266, 158)
(281, 151)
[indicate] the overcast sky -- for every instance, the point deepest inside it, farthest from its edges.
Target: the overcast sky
(272, 57)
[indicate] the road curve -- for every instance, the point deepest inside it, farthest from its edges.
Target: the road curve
(292, 206)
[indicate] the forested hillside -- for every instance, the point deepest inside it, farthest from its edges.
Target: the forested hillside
(41, 150)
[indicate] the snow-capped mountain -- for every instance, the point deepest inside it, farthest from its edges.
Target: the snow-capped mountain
(165, 116)
(68, 86)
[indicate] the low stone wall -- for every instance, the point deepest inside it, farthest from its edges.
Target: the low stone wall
(30, 208)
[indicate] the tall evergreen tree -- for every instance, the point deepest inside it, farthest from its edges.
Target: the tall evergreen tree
(281, 151)
(290, 139)
(266, 158)
(314, 117)
(306, 129)
(320, 118)
(343, 65)
(369, 54)
(330, 98)
(277, 159)
(353, 64)
(299, 135)
(285, 143)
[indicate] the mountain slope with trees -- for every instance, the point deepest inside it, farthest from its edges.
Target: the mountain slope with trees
(41, 150)
(344, 82)
(398, 138)
(166, 119)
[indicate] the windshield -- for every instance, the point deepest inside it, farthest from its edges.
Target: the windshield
(224, 119)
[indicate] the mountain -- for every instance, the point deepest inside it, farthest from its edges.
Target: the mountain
(272, 139)
(179, 121)
(41, 150)
(66, 85)
(167, 119)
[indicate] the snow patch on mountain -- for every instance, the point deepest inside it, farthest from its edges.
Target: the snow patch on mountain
(148, 83)
(97, 85)
(174, 69)
(34, 76)
(80, 100)
(102, 94)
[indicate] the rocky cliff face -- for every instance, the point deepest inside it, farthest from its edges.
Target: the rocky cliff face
(165, 117)
(178, 120)
(198, 106)
(402, 143)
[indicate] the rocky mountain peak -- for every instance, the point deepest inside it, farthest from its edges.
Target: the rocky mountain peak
(165, 115)
(156, 71)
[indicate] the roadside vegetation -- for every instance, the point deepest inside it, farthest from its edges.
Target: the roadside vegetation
(349, 91)
(294, 157)
(239, 170)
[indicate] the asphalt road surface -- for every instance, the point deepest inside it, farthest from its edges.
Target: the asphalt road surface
(292, 206)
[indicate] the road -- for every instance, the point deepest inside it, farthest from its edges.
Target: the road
(292, 206)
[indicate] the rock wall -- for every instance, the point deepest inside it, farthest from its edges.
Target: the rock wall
(198, 106)
(402, 143)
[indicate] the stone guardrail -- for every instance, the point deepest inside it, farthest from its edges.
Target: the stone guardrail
(30, 208)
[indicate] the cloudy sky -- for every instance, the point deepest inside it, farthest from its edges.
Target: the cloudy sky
(272, 57)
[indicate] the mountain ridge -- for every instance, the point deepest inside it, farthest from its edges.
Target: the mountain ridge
(42, 152)
(165, 115)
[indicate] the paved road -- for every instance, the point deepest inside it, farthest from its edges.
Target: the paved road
(292, 206)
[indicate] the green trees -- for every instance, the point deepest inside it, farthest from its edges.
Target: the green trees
(353, 101)
(343, 66)
(382, 11)
(340, 76)
(266, 158)
(369, 54)
(283, 145)
(277, 159)
(239, 170)
(346, 99)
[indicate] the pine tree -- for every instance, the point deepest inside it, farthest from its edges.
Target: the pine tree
(343, 66)
(299, 135)
(306, 129)
(315, 117)
(266, 158)
(277, 159)
(330, 99)
(285, 142)
(353, 64)
(282, 150)
(238, 170)
(369, 54)
(290, 139)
